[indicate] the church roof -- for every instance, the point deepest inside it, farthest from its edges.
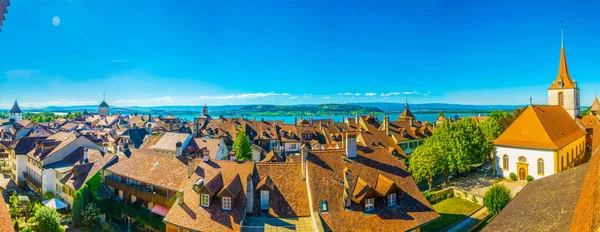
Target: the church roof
(541, 127)
(595, 105)
(563, 73)
(15, 109)
(103, 104)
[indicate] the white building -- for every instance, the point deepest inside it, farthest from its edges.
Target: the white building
(542, 141)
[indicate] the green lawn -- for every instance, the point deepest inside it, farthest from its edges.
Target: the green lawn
(451, 210)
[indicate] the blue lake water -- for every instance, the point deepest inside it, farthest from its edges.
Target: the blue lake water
(337, 118)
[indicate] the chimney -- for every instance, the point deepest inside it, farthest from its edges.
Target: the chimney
(310, 121)
(190, 167)
(180, 201)
(149, 128)
(85, 155)
(356, 119)
(262, 119)
(2, 138)
(171, 127)
(320, 126)
(178, 149)
(295, 121)
(304, 152)
(350, 144)
(386, 124)
(105, 147)
(205, 156)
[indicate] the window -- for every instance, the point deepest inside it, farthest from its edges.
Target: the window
(57, 188)
(561, 99)
(505, 162)
(392, 199)
(293, 146)
(226, 203)
(540, 167)
(57, 175)
(324, 207)
(205, 200)
(369, 204)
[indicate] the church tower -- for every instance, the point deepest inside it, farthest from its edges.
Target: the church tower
(15, 113)
(103, 108)
(564, 91)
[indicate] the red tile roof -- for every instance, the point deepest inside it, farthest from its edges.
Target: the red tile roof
(288, 196)
(326, 175)
(543, 127)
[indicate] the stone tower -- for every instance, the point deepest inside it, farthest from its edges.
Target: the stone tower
(15, 113)
(103, 108)
(564, 91)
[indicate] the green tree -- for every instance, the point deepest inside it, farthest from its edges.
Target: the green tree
(77, 207)
(27, 229)
(47, 219)
(491, 129)
(506, 121)
(496, 198)
(242, 146)
(425, 162)
(90, 215)
(47, 195)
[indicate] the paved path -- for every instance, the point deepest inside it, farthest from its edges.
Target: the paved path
(470, 221)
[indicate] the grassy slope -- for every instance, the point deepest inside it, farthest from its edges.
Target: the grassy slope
(451, 210)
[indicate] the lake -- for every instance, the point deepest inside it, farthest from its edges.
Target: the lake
(431, 117)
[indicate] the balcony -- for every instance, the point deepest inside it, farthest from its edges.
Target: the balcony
(32, 182)
(142, 193)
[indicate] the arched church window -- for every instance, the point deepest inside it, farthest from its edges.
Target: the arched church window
(540, 167)
(505, 162)
(561, 99)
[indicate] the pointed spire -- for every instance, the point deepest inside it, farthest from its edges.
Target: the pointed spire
(104, 97)
(562, 36)
(530, 100)
(16, 109)
(563, 79)
(406, 104)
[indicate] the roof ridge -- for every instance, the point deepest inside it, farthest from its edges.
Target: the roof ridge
(537, 117)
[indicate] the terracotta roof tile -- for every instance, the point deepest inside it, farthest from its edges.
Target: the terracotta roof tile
(326, 174)
(544, 127)
(542, 205)
(288, 195)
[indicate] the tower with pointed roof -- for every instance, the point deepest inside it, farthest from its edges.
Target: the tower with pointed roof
(205, 110)
(564, 91)
(407, 115)
(103, 108)
(595, 107)
(15, 113)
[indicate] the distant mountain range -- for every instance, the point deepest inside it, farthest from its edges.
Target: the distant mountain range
(303, 109)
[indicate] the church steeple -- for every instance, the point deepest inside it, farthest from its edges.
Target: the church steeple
(563, 79)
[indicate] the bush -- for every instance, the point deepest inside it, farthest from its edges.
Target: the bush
(474, 199)
(513, 176)
(27, 229)
(496, 198)
(529, 178)
(48, 195)
(47, 219)
(90, 215)
(428, 195)
(449, 195)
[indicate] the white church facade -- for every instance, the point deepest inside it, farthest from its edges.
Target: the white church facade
(544, 139)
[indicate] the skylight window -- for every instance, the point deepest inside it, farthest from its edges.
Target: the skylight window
(324, 207)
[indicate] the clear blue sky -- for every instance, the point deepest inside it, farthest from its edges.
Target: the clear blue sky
(282, 52)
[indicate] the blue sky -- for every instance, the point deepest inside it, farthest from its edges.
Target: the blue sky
(287, 52)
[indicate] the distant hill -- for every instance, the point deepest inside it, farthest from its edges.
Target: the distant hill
(435, 107)
(279, 110)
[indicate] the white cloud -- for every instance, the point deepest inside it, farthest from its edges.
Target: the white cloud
(119, 61)
(294, 97)
(57, 102)
(370, 94)
(307, 95)
(326, 97)
(21, 73)
(245, 96)
(349, 94)
(151, 101)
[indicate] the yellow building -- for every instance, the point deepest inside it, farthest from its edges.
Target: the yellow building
(542, 141)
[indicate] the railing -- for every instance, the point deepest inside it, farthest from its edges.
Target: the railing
(141, 193)
(31, 180)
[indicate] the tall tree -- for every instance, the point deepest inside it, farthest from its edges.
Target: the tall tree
(90, 215)
(242, 146)
(426, 162)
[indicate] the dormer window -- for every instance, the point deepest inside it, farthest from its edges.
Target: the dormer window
(324, 207)
(226, 203)
(392, 199)
(369, 204)
(204, 200)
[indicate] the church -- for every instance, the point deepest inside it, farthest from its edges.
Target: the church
(544, 139)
